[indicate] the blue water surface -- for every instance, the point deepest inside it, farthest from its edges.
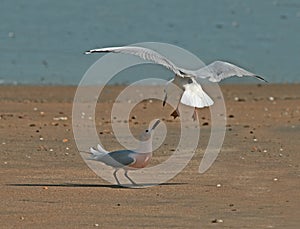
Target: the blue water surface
(42, 42)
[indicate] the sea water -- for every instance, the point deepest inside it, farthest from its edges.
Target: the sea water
(42, 42)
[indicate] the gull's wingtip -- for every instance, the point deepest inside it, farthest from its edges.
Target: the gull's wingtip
(88, 52)
(261, 78)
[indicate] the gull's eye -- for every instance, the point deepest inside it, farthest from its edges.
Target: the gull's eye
(147, 131)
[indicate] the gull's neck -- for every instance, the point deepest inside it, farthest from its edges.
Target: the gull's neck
(145, 146)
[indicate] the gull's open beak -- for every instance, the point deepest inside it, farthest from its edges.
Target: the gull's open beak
(155, 124)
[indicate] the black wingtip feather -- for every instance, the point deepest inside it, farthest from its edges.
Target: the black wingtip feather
(261, 78)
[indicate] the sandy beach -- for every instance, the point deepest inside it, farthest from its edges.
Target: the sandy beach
(254, 183)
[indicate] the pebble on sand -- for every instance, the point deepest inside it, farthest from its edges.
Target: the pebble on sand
(217, 221)
(239, 99)
(54, 123)
(62, 118)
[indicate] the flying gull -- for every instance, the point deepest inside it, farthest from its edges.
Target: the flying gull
(192, 93)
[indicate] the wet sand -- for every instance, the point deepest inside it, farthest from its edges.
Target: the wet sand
(254, 183)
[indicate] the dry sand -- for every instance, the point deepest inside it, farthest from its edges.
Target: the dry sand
(46, 184)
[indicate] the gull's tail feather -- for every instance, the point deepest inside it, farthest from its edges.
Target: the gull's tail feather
(196, 100)
(207, 100)
(101, 149)
(96, 154)
(194, 96)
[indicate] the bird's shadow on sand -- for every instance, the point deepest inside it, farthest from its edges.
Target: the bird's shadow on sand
(76, 185)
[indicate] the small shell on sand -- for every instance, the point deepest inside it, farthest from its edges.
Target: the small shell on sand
(217, 221)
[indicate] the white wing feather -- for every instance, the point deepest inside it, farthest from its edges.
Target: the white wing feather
(143, 53)
(215, 71)
(219, 70)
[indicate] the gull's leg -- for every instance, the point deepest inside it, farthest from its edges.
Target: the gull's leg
(126, 175)
(165, 99)
(115, 176)
(165, 91)
(195, 115)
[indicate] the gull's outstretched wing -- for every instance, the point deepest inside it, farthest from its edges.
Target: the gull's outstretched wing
(143, 53)
(219, 70)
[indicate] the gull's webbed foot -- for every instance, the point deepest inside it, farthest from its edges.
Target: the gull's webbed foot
(175, 114)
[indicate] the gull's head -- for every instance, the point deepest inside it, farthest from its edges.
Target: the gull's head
(147, 134)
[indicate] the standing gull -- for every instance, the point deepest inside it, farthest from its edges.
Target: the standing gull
(127, 159)
(192, 93)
